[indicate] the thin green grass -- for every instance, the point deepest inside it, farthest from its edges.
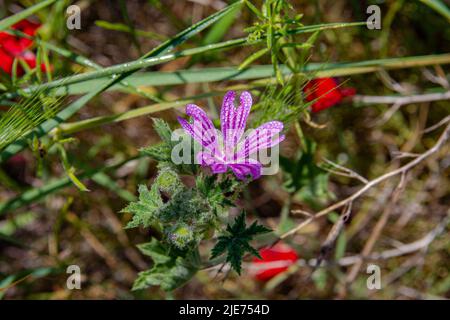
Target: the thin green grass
(27, 115)
(9, 21)
(72, 108)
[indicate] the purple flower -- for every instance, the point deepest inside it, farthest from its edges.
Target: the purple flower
(230, 148)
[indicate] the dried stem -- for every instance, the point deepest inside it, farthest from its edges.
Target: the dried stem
(402, 170)
(343, 171)
(376, 232)
(403, 100)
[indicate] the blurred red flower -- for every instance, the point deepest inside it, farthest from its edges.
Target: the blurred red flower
(15, 47)
(325, 93)
(275, 260)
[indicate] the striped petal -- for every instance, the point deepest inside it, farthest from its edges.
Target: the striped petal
(202, 128)
(242, 171)
(261, 138)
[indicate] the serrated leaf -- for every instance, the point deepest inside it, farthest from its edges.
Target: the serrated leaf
(303, 177)
(144, 280)
(155, 250)
(146, 208)
(236, 242)
(160, 152)
(256, 229)
(162, 129)
(173, 273)
(219, 248)
(251, 250)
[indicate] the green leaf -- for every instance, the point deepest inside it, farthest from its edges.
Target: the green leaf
(218, 194)
(255, 229)
(169, 271)
(219, 248)
(155, 250)
(163, 129)
(236, 242)
(161, 152)
(145, 210)
(303, 177)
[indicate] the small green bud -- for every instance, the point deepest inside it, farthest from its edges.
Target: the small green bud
(168, 180)
(181, 235)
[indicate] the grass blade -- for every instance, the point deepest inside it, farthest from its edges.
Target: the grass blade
(26, 115)
(121, 71)
(36, 194)
(9, 21)
(217, 74)
(438, 6)
(78, 104)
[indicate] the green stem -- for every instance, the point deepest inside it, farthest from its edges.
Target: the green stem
(71, 109)
(301, 136)
(218, 74)
(9, 21)
(125, 69)
(35, 194)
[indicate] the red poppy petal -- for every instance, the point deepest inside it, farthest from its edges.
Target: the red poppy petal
(30, 58)
(6, 61)
(348, 92)
(27, 27)
(275, 260)
(16, 45)
(325, 93)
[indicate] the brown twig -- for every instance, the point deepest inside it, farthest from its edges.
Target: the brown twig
(376, 232)
(437, 125)
(344, 171)
(439, 78)
(334, 233)
(441, 141)
(398, 101)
